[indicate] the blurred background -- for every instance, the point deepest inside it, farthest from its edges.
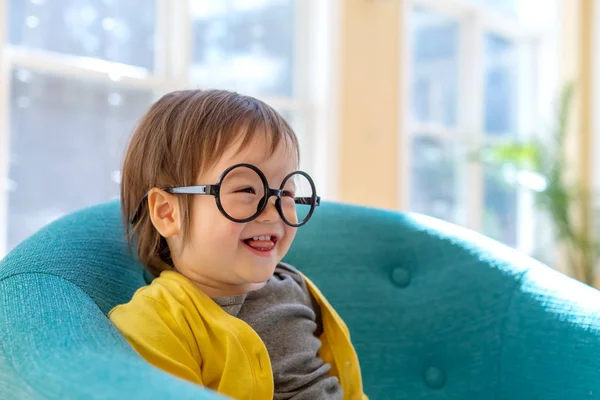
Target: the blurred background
(393, 100)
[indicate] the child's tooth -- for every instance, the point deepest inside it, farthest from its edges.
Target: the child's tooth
(262, 237)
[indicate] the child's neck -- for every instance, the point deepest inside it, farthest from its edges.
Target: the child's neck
(216, 290)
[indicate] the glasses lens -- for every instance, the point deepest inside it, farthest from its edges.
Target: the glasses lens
(297, 198)
(242, 192)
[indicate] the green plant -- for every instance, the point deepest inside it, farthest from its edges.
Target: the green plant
(554, 194)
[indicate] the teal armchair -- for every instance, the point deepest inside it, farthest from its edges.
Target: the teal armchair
(435, 312)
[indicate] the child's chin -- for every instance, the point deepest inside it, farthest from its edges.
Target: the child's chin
(260, 274)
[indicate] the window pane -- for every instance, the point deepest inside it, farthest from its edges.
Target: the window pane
(242, 45)
(505, 6)
(113, 30)
(501, 97)
(435, 40)
(297, 120)
(500, 214)
(66, 146)
(501, 102)
(433, 178)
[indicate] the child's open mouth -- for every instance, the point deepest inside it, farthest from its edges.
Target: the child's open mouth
(261, 244)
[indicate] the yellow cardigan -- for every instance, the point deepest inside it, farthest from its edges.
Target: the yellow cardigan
(179, 329)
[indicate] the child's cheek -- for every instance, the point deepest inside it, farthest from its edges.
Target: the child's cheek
(290, 234)
(233, 232)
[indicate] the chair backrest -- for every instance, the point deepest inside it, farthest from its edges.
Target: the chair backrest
(426, 302)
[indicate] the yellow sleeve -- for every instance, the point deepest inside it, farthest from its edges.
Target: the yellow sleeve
(150, 328)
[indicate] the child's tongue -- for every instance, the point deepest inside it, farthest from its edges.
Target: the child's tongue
(260, 244)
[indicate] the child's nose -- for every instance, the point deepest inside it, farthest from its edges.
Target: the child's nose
(270, 213)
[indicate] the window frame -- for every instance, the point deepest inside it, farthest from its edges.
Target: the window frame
(4, 128)
(475, 22)
(313, 101)
(596, 101)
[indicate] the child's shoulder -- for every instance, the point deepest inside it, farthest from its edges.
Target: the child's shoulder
(168, 292)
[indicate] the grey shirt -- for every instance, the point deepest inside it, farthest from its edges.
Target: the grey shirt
(288, 321)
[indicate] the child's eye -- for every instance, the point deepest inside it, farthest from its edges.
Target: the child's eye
(289, 193)
(246, 190)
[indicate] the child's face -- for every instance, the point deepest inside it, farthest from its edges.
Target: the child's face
(216, 256)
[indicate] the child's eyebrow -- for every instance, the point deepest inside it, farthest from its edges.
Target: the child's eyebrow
(281, 176)
(291, 182)
(242, 172)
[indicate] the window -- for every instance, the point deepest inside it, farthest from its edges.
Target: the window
(501, 102)
(243, 47)
(435, 65)
(122, 32)
(67, 138)
(80, 73)
(472, 82)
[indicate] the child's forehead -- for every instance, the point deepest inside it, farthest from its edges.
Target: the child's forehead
(260, 153)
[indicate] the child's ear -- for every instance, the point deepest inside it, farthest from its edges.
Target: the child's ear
(164, 212)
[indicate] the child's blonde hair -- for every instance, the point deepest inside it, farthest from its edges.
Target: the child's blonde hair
(182, 135)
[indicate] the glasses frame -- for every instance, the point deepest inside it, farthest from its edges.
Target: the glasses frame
(215, 190)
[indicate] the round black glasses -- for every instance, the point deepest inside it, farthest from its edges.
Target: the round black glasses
(242, 194)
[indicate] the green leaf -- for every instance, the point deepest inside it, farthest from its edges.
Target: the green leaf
(523, 156)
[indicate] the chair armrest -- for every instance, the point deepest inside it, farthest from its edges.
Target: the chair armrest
(551, 339)
(55, 343)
